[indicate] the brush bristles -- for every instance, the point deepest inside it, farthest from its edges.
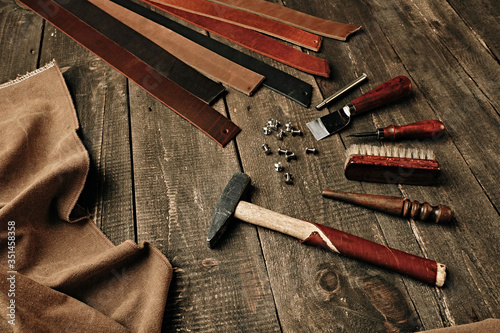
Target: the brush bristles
(390, 151)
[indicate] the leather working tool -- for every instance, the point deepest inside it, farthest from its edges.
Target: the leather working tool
(248, 20)
(294, 18)
(391, 165)
(394, 205)
(350, 85)
(150, 53)
(230, 205)
(200, 114)
(205, 61)
(276, 80)
(256, 42)
(426, 129)
(386, 93)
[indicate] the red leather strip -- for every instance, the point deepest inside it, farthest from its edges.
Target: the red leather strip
(247, 20)
(200, 114)
(359, 248)
(295, 18)
(254, 41)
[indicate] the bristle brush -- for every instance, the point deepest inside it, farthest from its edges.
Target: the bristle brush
(391, 164)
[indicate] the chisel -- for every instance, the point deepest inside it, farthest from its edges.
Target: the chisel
(426, 129)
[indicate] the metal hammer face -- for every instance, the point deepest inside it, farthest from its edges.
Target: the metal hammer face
(224, 210)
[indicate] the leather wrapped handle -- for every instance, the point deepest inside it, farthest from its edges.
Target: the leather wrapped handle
(426, 129)
(386, 93)
(337, 241)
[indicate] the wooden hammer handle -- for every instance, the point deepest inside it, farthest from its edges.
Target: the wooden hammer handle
(340, 242)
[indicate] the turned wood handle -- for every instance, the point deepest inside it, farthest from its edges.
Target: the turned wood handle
(386, 93)
(340, 242)
(426, 129)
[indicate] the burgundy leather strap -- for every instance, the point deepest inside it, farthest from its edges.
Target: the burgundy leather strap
(205, 61)
(200, 114)
(295, 18)
(247, 20)
(254, 41)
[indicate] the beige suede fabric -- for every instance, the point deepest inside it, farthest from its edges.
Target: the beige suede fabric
(58, 271)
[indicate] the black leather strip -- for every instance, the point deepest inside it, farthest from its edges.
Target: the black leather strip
(276, 80)
(197, 112)
(152, 54)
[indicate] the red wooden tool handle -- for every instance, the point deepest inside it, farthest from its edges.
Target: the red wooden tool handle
(386, 93)
(426, 129)
(352, 246)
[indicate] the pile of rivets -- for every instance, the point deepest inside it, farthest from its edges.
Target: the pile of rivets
(274, 125)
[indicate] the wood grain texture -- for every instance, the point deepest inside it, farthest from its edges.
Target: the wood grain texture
(100, 97)
(155, 178)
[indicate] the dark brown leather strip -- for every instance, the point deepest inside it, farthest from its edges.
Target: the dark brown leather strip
(200, 114)
(295, 18)
(254, 41)
(205, 61)
(276, 80)
(247, 20)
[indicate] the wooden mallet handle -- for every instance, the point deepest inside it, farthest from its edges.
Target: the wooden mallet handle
(422, 269)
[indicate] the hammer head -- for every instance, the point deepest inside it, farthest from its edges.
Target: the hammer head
(224, 210)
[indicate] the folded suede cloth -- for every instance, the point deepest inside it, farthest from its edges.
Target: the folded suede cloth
(58, 271)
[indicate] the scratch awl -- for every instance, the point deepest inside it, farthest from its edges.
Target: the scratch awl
(426, 129)
(394, 205)
(385, 93)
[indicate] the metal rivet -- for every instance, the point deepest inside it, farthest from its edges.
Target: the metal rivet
(278, 167)
(282, 151)
(280, 135)
(310, 150)
(288, 178)
(296, 132)
(288, 127)
(267, 130)
(291, 156)
(266, 148)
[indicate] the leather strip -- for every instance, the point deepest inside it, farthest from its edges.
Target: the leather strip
(152, 54)
(205, 61)
(255, 41)
(200, 114)
(295, 18)
(276, 80)
(247, 20)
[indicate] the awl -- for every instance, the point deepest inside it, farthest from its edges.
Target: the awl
(426, 129)
(386, 93)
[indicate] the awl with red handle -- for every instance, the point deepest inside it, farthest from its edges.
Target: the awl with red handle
(386, 93)
(426, 129)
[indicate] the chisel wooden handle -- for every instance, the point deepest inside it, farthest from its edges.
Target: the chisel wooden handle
(386, 93)
(340, 242)
(426, 129)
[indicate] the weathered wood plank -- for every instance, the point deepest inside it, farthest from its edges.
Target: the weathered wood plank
(20, 30)
(100, 97)
(179, 175)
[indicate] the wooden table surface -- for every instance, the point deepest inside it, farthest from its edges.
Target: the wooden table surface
(154, 177)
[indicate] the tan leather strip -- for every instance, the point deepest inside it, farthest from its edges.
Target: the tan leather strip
(295, 18)
(205, 61)
(253, 40)
(247, 20)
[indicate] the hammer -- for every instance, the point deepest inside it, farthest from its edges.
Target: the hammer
(230, 205)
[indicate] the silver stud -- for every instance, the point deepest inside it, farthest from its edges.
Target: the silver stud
(266, 148)
(291, 156)
(280, 135)
(288, 127)
(288, 178)
(267, 130)
(278, 167)
(282, 151)
(296, 132)
(310, 150)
